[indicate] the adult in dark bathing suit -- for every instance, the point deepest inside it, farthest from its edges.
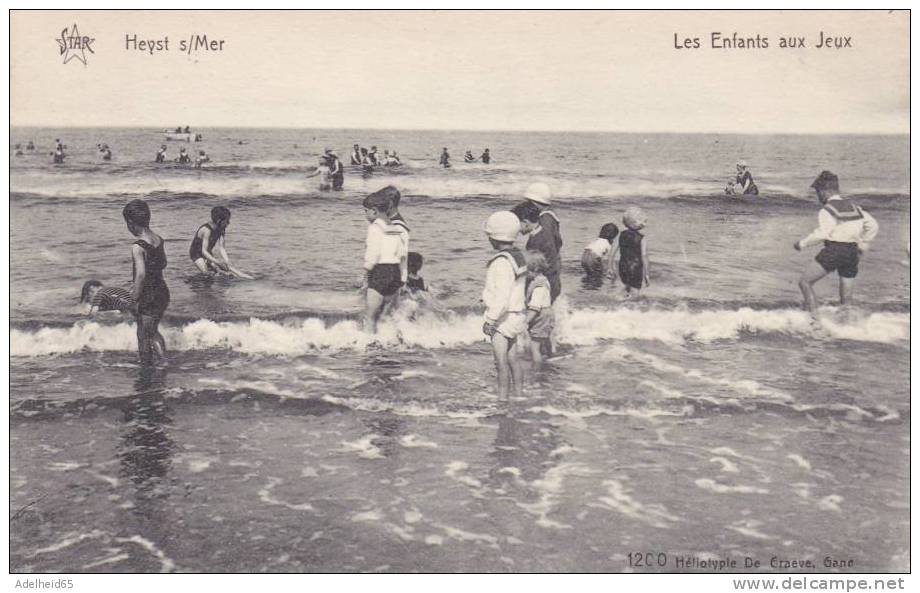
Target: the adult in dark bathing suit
(745, 180)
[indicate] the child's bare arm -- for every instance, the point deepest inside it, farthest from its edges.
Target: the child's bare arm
(611, 269)
(645, 269)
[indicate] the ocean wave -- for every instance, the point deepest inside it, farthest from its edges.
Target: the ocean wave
(299, 336)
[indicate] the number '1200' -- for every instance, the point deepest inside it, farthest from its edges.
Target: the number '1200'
(647, 560)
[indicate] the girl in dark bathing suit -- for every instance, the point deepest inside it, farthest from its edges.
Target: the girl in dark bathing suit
(150, 293)
(207, 250)
(633, 266)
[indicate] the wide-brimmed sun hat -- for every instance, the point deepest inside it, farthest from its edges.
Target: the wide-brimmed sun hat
(539, 193)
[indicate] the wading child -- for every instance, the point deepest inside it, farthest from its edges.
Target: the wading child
(150, 293)
(325, 176)
(846, 231)
(594, 257)
(547, 236)
(504, 298)
(106, 298)
(414, 283)
(208, 251)
(633, 266)
(540, 317)
(385, 258)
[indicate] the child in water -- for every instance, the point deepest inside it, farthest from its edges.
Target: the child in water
(385, 258)
(324, 173)
(105, 298)
(540, 317)
(504, 297)
(593, 258)
(414, 283)
(208, 251)
(150, 293)
(633, 266)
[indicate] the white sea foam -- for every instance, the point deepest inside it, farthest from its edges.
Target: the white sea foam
(582, 327)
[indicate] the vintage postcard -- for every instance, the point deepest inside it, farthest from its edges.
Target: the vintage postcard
(460, 292)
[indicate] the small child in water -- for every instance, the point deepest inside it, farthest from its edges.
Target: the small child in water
(106, 298)
(504, 297)
(415, 283)
(594, 257)
(540, 317)
(324, 173)
(633, 267)
(201, 159)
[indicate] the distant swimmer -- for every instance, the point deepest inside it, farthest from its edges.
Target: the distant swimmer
(445, 158)
(207, 250)
(179, 130)
(161, 154)
(744, 181)
(633, 250)
(30, 146)
(18, 149)
(323, 172)
(186, 130)
(183, 158)
(201, 159)
(106, 298)
(150, 292)
(468, 157)
(356, 158)
(486, 157)
(846, 230)
(392, 160)
(106, 152)
(372, 157)
(58, 153)
(336, 170)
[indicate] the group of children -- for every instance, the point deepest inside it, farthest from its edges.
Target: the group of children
(522, 286)
(148, 295)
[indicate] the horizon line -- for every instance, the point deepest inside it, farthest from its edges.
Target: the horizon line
(497, 130)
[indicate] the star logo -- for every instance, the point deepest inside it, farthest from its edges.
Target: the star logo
(73, 45)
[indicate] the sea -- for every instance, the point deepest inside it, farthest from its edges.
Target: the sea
(710, 419)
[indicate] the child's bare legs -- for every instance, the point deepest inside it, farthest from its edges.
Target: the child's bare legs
(812, 274)
(159, 344)
(508, 366)
(846, 290)
(375, 302)
(146, 337)
(536, 351)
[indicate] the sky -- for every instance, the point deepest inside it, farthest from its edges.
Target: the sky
(475, 70)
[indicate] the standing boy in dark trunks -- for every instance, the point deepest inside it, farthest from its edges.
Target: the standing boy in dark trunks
(846, 230)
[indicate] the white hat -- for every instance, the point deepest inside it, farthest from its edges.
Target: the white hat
(539, 193)
(741, 163)
(503, 226)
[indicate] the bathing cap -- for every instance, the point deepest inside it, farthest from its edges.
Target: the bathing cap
(503, 226)
(539, 193)
(634, 218)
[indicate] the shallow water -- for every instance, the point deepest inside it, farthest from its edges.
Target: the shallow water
(711, 418)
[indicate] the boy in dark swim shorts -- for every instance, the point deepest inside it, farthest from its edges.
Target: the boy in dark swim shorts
(846, 231)
(385, 258)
